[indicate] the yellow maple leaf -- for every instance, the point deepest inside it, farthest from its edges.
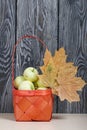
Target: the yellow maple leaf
(60, 57)
(49, 71)
(46, 60)
(47, 57)
(69, 84)
(60, 76)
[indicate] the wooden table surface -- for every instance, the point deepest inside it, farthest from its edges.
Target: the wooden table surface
(58, 122)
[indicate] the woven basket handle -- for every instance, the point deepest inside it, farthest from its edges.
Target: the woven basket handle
(14, 49)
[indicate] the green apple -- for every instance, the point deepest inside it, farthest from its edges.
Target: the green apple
(26, 85)
(31, 74)
(40, 84)
(41, 88)
(18, 80)
(35, 85)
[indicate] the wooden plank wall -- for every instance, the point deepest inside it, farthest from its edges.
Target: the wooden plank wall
(7, 39)
(73, 37)
(58, 23)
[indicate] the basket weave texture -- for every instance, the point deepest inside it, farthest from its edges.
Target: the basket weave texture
(33, 105)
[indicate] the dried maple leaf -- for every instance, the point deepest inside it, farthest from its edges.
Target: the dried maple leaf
(69, 84)
(48, 62)
(60, 57)
(47, 57)
(60, 76)
(49, 71)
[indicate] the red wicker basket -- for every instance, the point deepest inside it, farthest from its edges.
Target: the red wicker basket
(31, 105)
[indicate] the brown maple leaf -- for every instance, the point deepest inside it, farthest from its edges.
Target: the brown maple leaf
(69, 84)
(60, 57)
(60, 76)
(49, 71)
(46, 59)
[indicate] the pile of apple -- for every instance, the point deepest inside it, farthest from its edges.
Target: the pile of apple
(29, 80)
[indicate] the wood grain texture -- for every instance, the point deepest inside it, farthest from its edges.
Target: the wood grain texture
(7, 38)
(73, 37)
(36, 17)
(58, 23)
(40, 18)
